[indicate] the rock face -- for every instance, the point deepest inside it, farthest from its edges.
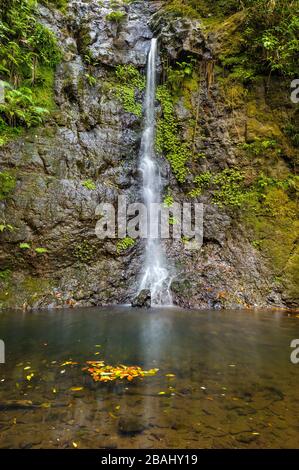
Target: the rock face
(180, 35)
(92, 137)
(143, 299)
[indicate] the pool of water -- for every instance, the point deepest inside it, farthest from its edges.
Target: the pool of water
(234, 384)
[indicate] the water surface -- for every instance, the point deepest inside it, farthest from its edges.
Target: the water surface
(234, 384)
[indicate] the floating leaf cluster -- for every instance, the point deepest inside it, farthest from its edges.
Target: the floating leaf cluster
(100, 372)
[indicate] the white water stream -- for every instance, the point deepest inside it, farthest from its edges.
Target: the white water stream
(156, 276)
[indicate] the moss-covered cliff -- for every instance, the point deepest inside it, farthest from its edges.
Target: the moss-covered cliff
(227, 136)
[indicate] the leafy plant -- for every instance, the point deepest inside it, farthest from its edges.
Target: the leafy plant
(129, 81)
(24, 246)
(19, 108)
(168, 199)
(124, 244)
(90, 79)
(89, 184)
(41, 250)
(168, 139)
(7, 184)
(116, 16)
(6, 227)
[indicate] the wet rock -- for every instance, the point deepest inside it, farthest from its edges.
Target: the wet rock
(180, 35)
(130, 426)
(143, 299)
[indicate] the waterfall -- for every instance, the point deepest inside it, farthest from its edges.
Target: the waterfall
(156, 276)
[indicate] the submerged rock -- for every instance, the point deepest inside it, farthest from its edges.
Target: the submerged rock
(143, 299)
(130, 426)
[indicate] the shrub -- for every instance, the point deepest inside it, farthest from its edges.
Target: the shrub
(116, 16)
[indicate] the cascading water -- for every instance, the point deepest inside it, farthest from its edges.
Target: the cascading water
(156, 275)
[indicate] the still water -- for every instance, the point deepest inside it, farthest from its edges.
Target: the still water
(233, 385)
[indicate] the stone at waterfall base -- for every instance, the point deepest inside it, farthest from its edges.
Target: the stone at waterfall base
(143, 299)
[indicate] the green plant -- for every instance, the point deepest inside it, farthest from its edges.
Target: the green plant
(129, 81)
(90, 79)
(168, 138)
(19, 108)
(5, 274)
(25, 43)
(4, 226)
(84, 252)
(89, 184)
(41, 250)
(124, 244)
(59, 4)
(116, 16)
(7, 184)
(24, 246)
(227, 187)
(168, 199)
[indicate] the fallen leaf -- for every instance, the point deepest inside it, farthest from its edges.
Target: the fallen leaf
(76, 389)
(75, 445)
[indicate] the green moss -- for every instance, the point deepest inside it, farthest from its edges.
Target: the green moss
(84, 252)
(20, 291)
(43, 91)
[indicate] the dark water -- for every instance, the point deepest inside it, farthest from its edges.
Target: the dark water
(234, 383)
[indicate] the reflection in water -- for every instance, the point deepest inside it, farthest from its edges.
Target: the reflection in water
(234, 384)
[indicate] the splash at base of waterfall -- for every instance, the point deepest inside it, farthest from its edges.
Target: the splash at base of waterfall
(156, 276)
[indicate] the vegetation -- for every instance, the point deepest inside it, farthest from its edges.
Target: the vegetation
(83, 252)
(124, 244)
(89, 184)
(129, 81)
(116, 16)
(28, 56)
(168, 138)
(59, 4)
(270, 32)
(7, 184)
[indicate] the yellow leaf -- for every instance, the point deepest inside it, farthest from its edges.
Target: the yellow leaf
(54, 390)
(161, 393)
(170, 375)
(76, 389)
(75, 445)
(27, 368)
